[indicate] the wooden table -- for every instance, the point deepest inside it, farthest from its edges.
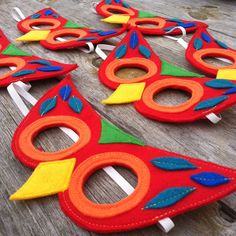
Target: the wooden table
(200, 139)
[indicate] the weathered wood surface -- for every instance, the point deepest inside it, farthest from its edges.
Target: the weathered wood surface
(200, 139)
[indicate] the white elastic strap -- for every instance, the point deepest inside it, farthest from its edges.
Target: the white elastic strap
(214, 118)
(166, 225)
(90, 48)
(17, 14)
(103, 47)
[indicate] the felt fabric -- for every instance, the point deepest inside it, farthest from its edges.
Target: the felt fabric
(60, 27)
(226, 74)
(90, 155)
(207, 95)
(28, 66)
(133, 18)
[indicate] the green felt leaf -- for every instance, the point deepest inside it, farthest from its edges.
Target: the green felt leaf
(72, 25)
(112, 134)
(145, 14)
(12, 50)
(169, 69)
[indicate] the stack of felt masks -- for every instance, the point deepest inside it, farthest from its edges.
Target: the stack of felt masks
(168, 183)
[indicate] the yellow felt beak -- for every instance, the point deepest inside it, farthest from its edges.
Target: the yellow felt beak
(47, 179)
(226, 74)
(34, 35)
(116, 19)
(126, 93)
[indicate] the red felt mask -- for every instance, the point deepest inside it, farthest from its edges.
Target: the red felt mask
(60, 27)
(207, 95)
(137, 18)
(168, 183)
(28, 67)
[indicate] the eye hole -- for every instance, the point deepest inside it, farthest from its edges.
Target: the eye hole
(6, 69)
(218, 61)
(42, 26)
(130, 72)
(148, 24)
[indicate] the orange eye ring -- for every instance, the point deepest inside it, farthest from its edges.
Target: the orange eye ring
(123, 11)
(158, 22)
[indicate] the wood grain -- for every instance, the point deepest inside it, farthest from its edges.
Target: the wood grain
(200, 139)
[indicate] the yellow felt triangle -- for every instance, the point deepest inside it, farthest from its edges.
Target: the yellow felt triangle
(126, 93)
(34, 35)
(226, 74)
(116, 19)
(47, 179)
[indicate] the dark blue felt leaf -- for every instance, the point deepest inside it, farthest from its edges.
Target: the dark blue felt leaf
(40, 62)
(48, 12)
(121, 51)
(133, 40)
(172, 163)
(75, 104)
(108, 1)
(210, 179)
(126, 5)
(230, 91)
(23, 72)
(87, 39)
(105, 33)
(117, 1)
(187, 25)
(95, 31)
(48, 105)
(175, 20)
(65, 92)
(210, 103)
(198, 44)
(50, 68)
(220, 84)
(145, 51)
(221, 44)
(206, 37)
(169, 197)
(35, 16)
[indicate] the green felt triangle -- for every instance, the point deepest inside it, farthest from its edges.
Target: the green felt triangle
(145, 14)
(12, 50)
(112, 134)
(169, 69)
(73, 25)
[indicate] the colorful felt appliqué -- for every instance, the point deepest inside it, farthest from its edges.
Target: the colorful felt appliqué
(169, 184)
(51, 36)
(27, 66)
(207, 95)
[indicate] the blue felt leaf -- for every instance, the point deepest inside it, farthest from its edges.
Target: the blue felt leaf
(65, 92)
(221, 44)
(121, 51)
(23, 72)
(210, 179)
(210, 103)
(55, 15)
(50, 68)
(75, 104)
(145, 51)
(230, 91)
(105, 33)
(220, 84)
(187, 25)
(169, 28)
(87, 39)
(133, 40)
(175, 20)
(48, 105)
(126, 5)
(117, 1)
(40, 62)
(108, 2)
(198, 44)
(172, 163)
(206, 37)
(35, 16)
(169, 197)
(48, 12)
(95, 31)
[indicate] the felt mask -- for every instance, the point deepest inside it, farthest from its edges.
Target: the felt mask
(26, 67)
(168, 183)
(135, 18)
(208, 96)
(51, 37)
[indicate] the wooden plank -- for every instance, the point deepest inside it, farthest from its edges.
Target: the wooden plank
(201, 139)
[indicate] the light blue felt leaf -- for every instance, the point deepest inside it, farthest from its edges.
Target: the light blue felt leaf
(175, 20)
(87, 39)
(133, 40)
(50, 68)
(210, 103)
(48, 105)
(230, 91)
(65, 92)
(108, 1)
(206, 37)
(23, 72)
(187, 25)
(169, 197)
(55, 15)
(126, 5)
(35, 16)
(198, 44)
(172, 163)
(40, 62)
(75, 104)
(121, 51)
(220, 84)
(169, 28)
(145, 51)
(105, 33)
(221, 44)
(210, 179)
